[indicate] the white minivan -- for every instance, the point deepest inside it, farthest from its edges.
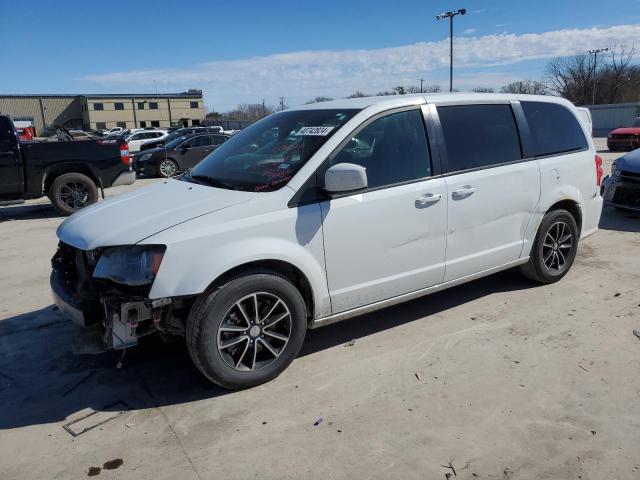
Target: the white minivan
(327, 211)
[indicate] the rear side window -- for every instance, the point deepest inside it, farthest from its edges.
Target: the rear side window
(393, 149)
(554, 129)
(479, 136)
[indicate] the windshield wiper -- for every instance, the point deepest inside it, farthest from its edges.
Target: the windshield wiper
(214, 182)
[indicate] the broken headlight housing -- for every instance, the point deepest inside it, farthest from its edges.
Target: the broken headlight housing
(134, 265)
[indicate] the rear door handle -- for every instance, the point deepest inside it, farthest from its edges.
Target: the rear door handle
(427, 199)
(463, 193)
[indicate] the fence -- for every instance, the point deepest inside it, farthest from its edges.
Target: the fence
(609, 117)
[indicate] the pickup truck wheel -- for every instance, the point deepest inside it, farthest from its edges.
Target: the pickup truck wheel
(554, 248)
(167, 168)
(71, 192)
(247, 331)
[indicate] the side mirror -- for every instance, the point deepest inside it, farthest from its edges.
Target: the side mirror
(345, 177)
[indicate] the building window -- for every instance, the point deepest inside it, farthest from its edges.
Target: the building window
(140, 105)
(195, 123)
(143, 124)
(118, 106)
(121, 124)
(98, 106)
(101, 125)
(153, 105)
(194, 104)
(155, 123)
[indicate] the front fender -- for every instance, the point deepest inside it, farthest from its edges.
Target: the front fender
(201, 250)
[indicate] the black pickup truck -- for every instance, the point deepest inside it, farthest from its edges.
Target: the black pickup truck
(68, 172)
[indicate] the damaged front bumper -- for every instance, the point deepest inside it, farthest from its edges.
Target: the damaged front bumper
(122, 316)
(622, 190)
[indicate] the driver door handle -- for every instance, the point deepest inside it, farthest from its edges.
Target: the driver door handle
(427, 199)
(463, 193)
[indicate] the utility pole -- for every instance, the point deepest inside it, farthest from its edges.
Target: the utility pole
(595, 60)
(421, 80)
(281, 103)
(450, 16)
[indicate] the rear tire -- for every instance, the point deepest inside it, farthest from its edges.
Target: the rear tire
(167, 168)
(554, 248)
(235, 347)
(71, 192)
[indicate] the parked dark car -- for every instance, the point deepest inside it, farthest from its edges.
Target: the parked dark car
(626, 137)
(68, 172)
(180, 132)
(621, 189)
(180, 154)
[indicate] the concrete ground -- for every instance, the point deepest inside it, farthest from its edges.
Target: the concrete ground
(497, 379)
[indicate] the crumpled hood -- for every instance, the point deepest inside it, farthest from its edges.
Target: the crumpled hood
(625, 131)
(629, 162)
(134, 216)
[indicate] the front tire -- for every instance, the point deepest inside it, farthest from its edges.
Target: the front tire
(71, 192)
(247, 331)
(167, 168)
(554, 248)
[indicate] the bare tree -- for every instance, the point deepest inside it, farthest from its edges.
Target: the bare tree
(400, 90)
(431, 89)
(483, 90)
(386, 92)
(572, 77)
(249, 112)
(616, 79)
(527, 87)
(319, 99)
(357, 94)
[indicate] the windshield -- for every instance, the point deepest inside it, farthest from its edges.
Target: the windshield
(266, 155)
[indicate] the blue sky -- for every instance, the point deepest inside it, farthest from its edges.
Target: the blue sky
(240, 52)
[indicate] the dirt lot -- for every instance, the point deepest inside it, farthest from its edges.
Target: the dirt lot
(498, 379)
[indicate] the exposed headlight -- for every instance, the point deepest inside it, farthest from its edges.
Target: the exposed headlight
(145, 157)
(135, 265)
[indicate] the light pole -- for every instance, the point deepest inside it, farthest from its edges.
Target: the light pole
(595, 60)
(421, 80)
(450, 15)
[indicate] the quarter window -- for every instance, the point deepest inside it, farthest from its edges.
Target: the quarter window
(98, 106)
(479, 136)
(118, 106)
(393, 149)
(554, 129)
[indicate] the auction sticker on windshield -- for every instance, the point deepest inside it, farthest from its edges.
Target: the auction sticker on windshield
(314, 131)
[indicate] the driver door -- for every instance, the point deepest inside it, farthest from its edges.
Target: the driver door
(390, 239)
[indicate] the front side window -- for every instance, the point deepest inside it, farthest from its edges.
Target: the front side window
(201, 141)
(118, 106)
(479, 136)
(393, 149)
(554, 129)
(219, 139)
(266, 155)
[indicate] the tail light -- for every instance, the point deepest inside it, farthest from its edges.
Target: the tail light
(599, 170)
(124, 154)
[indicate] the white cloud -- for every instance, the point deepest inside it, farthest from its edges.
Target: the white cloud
(302, 75)
(469, 31)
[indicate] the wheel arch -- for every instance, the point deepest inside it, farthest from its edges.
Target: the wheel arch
(570, 206)
(291, 272)
(57, 170)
